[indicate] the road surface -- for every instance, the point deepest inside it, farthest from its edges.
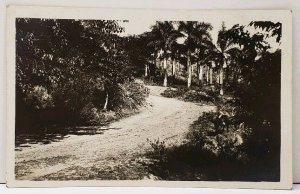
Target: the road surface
(111, 154)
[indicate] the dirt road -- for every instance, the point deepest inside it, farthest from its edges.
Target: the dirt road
(100, 156)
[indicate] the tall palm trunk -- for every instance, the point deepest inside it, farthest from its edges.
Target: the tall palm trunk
(210, 76)
(106, 102)
(218, 77)
(189, 68)
(221, 80)
(173, 67)
(146, 70)
(165, 73)
(200, 73)
(161, 66)
(207, 74)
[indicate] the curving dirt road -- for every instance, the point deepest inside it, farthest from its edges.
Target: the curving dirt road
(100, 156)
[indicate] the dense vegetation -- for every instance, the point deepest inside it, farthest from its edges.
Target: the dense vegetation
(240, 74)
(72, 72)
(83, 72)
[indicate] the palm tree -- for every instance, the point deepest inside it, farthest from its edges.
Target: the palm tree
(147, 50)
(175, 55)
(196, 33)
(164, 36)
(225, 50)
(204, 55)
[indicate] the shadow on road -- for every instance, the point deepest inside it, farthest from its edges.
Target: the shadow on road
(48, 135)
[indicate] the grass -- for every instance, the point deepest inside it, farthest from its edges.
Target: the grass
(113, 169)
(24, 168)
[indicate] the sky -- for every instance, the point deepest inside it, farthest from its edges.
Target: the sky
(136, 27)
(140, 25)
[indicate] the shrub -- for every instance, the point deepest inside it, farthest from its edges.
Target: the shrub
(198, 96)
(88, 113)
(93, 116)
(130, 95)
(174, 92)
(159, 150)
(190, 95)
(39, 98)
(212, 154)
(122, 100)
(73, 95)
(228, 144)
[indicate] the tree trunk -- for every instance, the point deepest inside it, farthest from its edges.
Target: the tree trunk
(210, 76)
(218, 77)
(221, 76)
(200, 73)
(106, 102)
(221, 80)
(173, 67)
(178, 66)
(146, 70)
(207, 74)
(226, 74)
(189, 66)
(166, 73)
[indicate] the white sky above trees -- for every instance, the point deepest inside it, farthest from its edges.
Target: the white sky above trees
(138, 26)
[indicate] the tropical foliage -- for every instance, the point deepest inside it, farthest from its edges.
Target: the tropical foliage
(242, 73)
(63, 66)
(86, 72)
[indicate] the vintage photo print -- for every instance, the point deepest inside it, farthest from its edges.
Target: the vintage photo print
(137, 97)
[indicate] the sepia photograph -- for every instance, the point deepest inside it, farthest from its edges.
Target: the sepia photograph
(156, 99)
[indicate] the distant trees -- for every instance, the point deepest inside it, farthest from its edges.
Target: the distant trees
(189, 44)
(164, 36)
(196, 35)
(142, 55)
